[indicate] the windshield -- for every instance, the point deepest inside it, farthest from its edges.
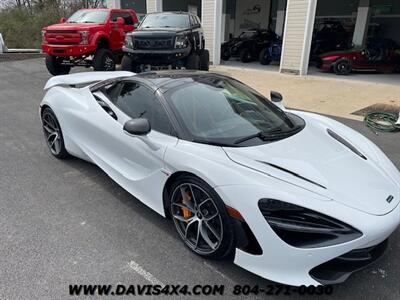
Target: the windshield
(247, 34)
(222, 110)
(165, 20)
(88, 16)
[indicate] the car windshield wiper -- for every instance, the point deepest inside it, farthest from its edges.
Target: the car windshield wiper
(265, 136)
(211, 143)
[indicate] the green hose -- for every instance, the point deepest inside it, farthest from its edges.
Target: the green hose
(382, 122)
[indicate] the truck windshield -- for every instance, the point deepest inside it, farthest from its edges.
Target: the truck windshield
(88, 16)
(165, 21)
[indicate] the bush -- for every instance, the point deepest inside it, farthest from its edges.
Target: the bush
(21, 26)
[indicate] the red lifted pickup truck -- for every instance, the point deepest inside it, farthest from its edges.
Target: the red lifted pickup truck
(90, 37)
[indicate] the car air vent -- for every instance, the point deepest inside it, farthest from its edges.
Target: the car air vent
(293, 173)
(345, 143)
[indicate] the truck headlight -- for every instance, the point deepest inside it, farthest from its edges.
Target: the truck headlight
(44, 37)
(128, 43)
(84, 37)
(181, 41)
(305, 228)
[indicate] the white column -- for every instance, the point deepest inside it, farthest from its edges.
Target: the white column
(362, 23)
(280, 17)
(300, 16)
(113, 3)
(3, 47)
(154, 6)
(211, 19)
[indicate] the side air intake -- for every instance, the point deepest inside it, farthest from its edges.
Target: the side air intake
(345, 143)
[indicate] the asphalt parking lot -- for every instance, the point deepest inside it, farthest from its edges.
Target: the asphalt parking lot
(66, 222)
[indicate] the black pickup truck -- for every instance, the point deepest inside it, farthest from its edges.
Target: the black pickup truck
(167, 39)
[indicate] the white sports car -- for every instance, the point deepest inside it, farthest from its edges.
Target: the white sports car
(293, 196)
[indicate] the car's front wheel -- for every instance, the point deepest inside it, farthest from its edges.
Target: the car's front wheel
(104, 60)
(53, 134)
(200, 218)
(193, 62)
(342, 67)
(55, 67)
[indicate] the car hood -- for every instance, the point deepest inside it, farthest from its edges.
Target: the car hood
(314, 160)
(73, 26)
(160, 30)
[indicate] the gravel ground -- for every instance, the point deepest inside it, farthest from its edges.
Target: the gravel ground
(67, 222)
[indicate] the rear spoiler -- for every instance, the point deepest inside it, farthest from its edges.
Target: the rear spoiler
(84, 78)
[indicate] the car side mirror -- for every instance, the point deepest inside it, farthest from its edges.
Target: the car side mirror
(277, 99)
(120, 21)
(195, 26)
(63, 20)
(139, 126)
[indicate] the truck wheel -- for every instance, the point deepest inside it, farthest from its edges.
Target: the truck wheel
(104, 60)
(55, 67)
(126, 63)
(265, 59)
(193, 62)
(245, 56)
(342, 67)
(204, 60)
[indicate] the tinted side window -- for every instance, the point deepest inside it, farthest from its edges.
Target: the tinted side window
(126, 16)
(138, 101)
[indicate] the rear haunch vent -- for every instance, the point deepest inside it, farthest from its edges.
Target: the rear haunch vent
(345, 143)
(292, 173)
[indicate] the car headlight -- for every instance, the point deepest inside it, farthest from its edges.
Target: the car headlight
(84, 37)
(128, 41)
(305, 228)
(181, 41)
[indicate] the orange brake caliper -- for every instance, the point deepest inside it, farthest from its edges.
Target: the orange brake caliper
(186, 211)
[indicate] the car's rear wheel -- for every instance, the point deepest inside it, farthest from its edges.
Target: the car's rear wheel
(342, 67)
(104, 60)
(245, 56)
(53, 134)
(204, 60)
(55, 67)
(265, 58)
(193, 62)
(200, 218)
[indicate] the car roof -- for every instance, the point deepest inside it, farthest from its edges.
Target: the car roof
(171, 13)
(165, 80)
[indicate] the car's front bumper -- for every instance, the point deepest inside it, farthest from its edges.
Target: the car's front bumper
(291, 265)
(156, 57)
(68, 50)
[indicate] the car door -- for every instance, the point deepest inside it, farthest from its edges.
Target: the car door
(136, 163)
(117, 32)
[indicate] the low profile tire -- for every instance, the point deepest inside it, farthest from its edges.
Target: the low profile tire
(53, 134)
(245, 56)
(193, 62)
(204, 60)
(55, 67)
(264, 58)
(201, 219)
(104, 60)
(127, 64)
(342, 67)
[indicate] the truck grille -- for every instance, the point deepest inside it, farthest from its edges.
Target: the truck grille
(149, 43)
(63, 37)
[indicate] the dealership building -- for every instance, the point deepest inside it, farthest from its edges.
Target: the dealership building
(296, 21)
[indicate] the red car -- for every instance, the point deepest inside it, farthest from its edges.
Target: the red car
(381, 57)
(90, 37)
